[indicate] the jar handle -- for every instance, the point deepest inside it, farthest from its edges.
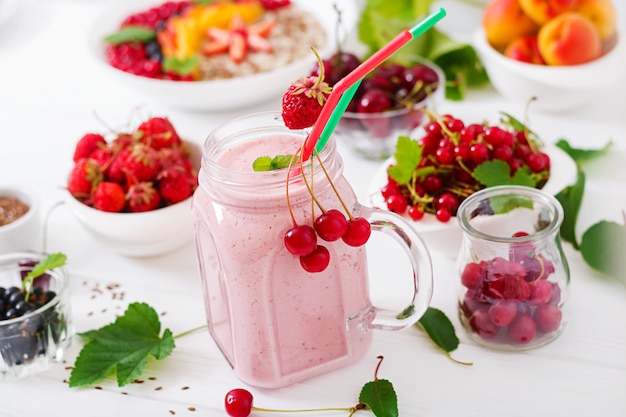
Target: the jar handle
(396, 227)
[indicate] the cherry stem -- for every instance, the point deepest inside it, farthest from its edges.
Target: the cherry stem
(458, 361)
(343, 204)
(309, 186)
(380, 361)
(185, 333)
(291, 163)
(311, 410)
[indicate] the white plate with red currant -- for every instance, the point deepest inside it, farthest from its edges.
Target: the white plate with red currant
(427, 178)
(216, 55)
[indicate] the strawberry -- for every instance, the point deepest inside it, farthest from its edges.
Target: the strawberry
(175, 185)
(304, 99)
(115, 170)
(275, 4)
(142, 196)
(85, 176)
(109, 196)
(87, 145)
(158, 132)
(141, 163)
(175, 157)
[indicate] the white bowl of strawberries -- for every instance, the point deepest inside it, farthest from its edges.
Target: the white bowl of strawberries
(132, 192)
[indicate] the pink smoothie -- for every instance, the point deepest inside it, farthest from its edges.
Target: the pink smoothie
(276, 323)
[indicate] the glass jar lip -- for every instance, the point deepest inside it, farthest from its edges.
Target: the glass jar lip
(548, 200)
(230, 132)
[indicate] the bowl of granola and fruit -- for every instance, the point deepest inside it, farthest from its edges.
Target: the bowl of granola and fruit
(218, 55)
(132, 190)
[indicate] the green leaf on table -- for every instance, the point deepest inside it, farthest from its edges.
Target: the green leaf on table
(440, 330)
(380, 396)
(122, 347)
(603, 247)
(407, 155)
(571, 198)
(581, 156)
(181, 66)
(131, 33)
(498, 172)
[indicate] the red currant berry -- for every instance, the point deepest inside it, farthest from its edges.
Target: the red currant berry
(331, 225)
(503, 152)
(448, 201)
(443, 215)
(432, 183)
(433, 128)
(358, 232)
(300, 240)
(416, 213)
(479, 153)
(455, 125)
(316, 261)
(396, 203)
(389, 190)
(536, 162)
(445, 156)
(473, 275)
(238, 402)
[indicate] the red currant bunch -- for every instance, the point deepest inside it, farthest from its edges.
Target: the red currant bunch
(451, 152)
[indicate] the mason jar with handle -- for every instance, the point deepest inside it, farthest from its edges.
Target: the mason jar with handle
(276, 323)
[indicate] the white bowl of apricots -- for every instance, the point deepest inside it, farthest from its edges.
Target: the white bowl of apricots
(132, 191)
(562, 53)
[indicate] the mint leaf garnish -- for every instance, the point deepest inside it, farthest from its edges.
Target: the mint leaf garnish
(407, 155)
(122, 347)
(501, 204)
(131, 33)
(267, 163)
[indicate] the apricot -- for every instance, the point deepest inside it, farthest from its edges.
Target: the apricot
(540, 11)
(602, 14)
(569, 39)
(503, 21)
(525, 49)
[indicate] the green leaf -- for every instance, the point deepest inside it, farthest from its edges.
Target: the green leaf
(440, 329)
(262, 163)
(498, 172)
(281, 161)
(131, 33)
(581, 156)
(122, 347)
(407, 155)
(603, 246)
(54, 260)
(382, 20)
(380, 397)
(571, 198)
(267, 163)
(501, 204)
(181, 66)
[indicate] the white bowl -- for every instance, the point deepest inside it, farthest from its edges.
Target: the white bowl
(228, 93)
(557, 88)
(141, 234)
(446, 237)
(23, 234)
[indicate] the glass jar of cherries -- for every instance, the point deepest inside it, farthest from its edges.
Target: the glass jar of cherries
(514, 277)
